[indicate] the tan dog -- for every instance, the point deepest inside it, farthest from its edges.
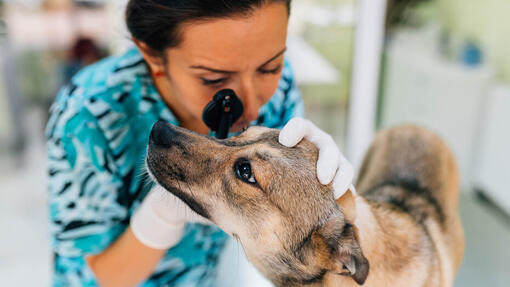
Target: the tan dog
(401, 229)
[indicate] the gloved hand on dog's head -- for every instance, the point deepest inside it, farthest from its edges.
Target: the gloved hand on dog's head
(331, 165)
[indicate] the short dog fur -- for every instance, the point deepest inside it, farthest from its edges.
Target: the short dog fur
(400, 229)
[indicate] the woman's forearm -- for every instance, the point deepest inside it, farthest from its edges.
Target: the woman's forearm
(127, 262)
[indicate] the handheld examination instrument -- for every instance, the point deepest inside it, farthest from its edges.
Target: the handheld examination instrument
(222, 112)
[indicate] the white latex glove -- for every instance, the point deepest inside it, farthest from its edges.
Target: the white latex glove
(160, 219)
(331, 165)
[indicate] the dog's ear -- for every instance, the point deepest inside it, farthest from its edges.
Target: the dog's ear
(350, 259)
(346, 256)
(342, 241)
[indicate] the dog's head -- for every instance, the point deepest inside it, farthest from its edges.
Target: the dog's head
(265, 195)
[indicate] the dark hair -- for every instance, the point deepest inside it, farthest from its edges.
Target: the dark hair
(157, 22)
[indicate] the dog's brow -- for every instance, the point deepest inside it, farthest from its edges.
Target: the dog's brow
(238, 144)
(263, 156)
(243, 143)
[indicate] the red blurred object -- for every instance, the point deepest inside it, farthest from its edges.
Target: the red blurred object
(86, 51)
(159, 74)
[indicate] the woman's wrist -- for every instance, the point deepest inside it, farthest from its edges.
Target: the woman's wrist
(127, 262)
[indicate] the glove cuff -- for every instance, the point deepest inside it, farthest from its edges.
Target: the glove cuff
(152, 230)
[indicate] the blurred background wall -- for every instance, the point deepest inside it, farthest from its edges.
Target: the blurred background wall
(485, 22)
(444, 64)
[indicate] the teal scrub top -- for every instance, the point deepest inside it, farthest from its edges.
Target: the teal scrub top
(96, 140)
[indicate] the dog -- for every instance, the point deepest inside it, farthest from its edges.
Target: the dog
(401, 228)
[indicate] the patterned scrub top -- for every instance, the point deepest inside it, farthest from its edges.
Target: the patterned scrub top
(96, 137)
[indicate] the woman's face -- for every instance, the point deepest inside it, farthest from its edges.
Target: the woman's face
(244, 54)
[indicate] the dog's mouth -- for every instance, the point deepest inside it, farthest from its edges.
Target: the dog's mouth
(186, 198)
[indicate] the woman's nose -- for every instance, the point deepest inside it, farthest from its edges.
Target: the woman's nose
(251, 112)
(250, 102)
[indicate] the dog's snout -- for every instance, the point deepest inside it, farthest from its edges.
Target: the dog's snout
(162, 134)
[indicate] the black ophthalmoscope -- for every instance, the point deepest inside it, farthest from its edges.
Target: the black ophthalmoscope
(222, 112)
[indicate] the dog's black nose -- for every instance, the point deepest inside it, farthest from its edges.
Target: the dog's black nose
(162, 134)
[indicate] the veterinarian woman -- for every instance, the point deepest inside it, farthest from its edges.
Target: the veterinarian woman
(107, 228)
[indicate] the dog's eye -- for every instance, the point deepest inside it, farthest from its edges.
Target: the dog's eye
(243, 171)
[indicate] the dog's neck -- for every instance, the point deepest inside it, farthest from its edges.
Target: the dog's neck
(367, 225)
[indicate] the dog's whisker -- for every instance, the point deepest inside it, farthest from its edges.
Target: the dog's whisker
(145, 179)
(190, 190)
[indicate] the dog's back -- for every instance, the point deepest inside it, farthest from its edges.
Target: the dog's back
(409, 171)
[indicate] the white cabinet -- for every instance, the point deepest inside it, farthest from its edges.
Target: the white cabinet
(422, 88)
(492, 165)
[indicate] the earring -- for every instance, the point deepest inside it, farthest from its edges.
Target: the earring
(159, 73)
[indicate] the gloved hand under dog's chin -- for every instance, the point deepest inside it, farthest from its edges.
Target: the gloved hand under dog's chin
(160, 219)
(331, 165)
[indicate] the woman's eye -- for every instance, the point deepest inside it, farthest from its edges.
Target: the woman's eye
(244, 173)
(271, 71)
(209, 82)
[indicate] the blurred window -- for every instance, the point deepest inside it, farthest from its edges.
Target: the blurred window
(320, 50)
